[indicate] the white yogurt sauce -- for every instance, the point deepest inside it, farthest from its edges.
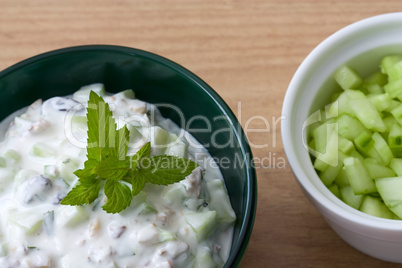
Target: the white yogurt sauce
(186, 224)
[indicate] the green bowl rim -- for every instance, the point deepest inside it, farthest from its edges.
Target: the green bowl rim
(239, 248)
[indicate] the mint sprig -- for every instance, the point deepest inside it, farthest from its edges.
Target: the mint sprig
(108, 162)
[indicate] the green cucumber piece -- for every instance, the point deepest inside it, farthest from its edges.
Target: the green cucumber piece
(395, 71)
(375, 207)
(358, 176)
(394, 88)
(396, 165)
(350, 198)
(329, 174)
(349, 127)
(395, 140)
(380, 101)
(347, 78)
(368, 115)
(3, 249)
(365, 144)
(29, 221)
(390, 190)
(204, 259)
(333, 188)
(219, 200)
(42, 150)
(342, 179)
(202, 223)
(377, 78)
(82, 95)
(71, 216)
(382, 148)
(174, 195)
(377, 169)
(388, 61)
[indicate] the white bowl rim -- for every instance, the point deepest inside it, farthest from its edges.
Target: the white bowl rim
(358, 218)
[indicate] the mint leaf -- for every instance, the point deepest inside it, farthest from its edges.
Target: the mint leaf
(143, 152)
(84, 192)
(101, 129)
(112, 169)
(165, 169)
(108, 161)
(118, 196)
(87, 170)
(122, 140)
(137, 181)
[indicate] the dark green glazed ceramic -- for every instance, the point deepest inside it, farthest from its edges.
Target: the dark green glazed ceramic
(156, 80)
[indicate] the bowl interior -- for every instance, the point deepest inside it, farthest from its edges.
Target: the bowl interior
(155, 80)
(361, 46)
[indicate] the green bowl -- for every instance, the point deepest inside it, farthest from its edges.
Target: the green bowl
(156, 80)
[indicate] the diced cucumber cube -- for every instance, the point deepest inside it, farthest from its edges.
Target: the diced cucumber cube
(6, 178)
(395, 140)
(165, 236)
(341, 106)
(396, 165)
(204, 259)
(395, 71)
(82, 95)
(394, 88)
(389, 122)
(159, 139)
(147, 209)
(326, 146)
(347, 78)
(329, 174)
(67, 167)
(3, 249)
(350, 198)
(51, 171)
(219, 200)
(29, 221)
(178, 148)
(71, 216)
(388, 61)
(349, 127)
(335, 190)
(365, 145)
(397, 113)
(345, 145)
(358, 176)
(12, 156)
(382, 148)
(375, 207)
(3, 162)
(357, 155)
(377, 170)
(202, 223)
(125, 94)
(174, 194)
(342, 179)
(380, 101)
(377, 78)
(374, 89)
(390, 190)
(368, 115)
(42, 150)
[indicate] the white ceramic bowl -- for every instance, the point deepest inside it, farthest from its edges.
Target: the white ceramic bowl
(361, 46)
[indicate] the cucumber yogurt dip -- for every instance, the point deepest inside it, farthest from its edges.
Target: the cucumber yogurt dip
(185, 224)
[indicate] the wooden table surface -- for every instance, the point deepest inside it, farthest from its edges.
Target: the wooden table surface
(247, 50)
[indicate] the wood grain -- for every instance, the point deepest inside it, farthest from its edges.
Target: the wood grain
(247, 50)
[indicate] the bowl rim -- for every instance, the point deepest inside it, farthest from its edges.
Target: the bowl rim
(344, 33)
(239, 247)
